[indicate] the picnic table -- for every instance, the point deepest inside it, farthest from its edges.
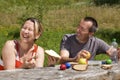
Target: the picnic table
(54, 73)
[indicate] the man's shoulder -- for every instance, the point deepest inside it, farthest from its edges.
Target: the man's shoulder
(97, 39)
(69, 35)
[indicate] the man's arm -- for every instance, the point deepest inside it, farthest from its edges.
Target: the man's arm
(109, 52)
(118, 53)
(65, 56)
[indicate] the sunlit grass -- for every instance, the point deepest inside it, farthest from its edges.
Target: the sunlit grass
(69, 16)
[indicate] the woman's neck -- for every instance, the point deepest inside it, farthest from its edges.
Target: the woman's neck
(25, 47)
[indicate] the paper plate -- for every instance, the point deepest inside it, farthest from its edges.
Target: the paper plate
(106, 66)
(52, 53)
(73, 63)
(79, 67)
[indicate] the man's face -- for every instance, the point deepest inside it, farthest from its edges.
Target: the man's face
(83, 30)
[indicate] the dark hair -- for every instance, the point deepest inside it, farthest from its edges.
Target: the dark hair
(94, 25)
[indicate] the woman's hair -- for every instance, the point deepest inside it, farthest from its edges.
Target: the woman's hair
(37, 25)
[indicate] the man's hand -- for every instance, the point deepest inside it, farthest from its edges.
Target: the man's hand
(83, 54)
(118, 49)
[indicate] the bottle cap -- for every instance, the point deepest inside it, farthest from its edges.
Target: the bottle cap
(114, 40)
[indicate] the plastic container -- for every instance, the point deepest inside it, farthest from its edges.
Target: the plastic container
(94, 63)
(114, 53)
(114, 43)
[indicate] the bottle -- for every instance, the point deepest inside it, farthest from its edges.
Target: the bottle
(114, 54)
(114, 43)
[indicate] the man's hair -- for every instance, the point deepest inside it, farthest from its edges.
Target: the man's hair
(94, 24)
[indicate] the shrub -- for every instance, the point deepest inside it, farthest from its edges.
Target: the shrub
(109, 2)
(109, 34)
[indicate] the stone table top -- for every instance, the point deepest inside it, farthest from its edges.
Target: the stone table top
(54, 73)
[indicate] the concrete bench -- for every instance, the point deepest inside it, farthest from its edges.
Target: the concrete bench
(53, 73)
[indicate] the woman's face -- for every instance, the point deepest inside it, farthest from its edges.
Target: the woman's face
(27, 32)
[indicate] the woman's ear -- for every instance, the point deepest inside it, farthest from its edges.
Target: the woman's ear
(37, 36)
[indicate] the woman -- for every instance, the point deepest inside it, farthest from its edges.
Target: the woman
(24, 53)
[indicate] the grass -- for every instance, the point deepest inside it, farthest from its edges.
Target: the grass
(69, 16)
(58, 18)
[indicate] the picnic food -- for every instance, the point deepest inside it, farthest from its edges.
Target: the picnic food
(86, 54)
(79, 67)
(106, 66)
(62, 67)
(68, 65)
(83, 61)
(73, 63)
(108, 61)
(52, 53)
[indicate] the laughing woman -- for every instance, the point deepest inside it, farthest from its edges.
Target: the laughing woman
(24, 53)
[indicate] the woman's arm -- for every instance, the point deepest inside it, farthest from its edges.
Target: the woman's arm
(35, 61)
(8, 55)
(40, 57)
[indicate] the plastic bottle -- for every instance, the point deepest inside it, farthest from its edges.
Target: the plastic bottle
(114, 54)
(114, 43)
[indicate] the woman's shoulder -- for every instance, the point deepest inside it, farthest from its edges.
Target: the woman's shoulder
(38, 48)
(9, 43)
(8, 47)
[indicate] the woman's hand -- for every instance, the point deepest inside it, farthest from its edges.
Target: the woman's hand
(28, 63)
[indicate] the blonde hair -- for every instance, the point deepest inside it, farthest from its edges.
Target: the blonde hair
(37, 26)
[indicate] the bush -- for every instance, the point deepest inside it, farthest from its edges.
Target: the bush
(109, 34)
(109, 2)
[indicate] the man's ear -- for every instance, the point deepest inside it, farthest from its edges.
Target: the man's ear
(91, 33)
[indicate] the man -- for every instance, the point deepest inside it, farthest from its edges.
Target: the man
(83, 40)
